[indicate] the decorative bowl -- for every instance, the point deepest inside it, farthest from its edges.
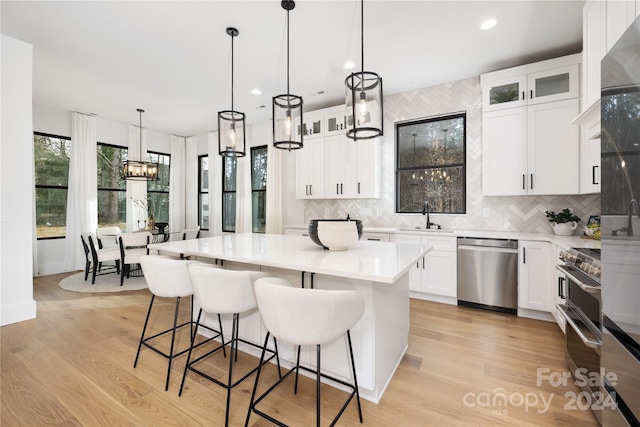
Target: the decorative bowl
(335, 234)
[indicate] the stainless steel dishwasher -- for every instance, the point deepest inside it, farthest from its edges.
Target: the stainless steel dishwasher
(488, 274)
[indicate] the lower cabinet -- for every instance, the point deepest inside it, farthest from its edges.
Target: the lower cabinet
(434, 277)
(535, 280)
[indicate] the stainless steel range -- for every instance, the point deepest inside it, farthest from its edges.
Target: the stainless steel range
(583, 312)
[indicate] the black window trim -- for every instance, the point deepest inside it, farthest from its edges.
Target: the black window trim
(260, 147)
(223, 160)
(448, 116)
(201, 193)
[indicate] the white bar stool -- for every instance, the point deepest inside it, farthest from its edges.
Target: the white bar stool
(169, 278)
(307, 317)
(225, 292)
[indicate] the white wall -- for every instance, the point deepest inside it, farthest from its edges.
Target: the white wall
(58, 122)
(16, 195)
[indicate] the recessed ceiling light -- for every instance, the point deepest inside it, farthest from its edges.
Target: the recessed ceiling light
(256, 92)
(488, 24)
(349, 65)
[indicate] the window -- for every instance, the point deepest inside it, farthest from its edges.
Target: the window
(203, 192)
(51, 155)
(229, 194)
(112, 188)
(258, 188)
(158, 191)
(430, 164)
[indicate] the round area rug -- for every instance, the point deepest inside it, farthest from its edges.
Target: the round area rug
(104, 283)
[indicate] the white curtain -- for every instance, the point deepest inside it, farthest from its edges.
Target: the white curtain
(82, 193)
(274, 208)
(177, 184)
(243, 194)
(191, 182)
(137, 212)
(215, 186)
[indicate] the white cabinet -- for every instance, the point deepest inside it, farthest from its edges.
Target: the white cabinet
(341, 167)
(535, 281)
(313, 126)
(529, 88)
(375, 237)
(331, 166)
(310, 170)
(558, 294)
(594, 47)
(435, 276)
(531, 150)
(589, 166)
(620, 14)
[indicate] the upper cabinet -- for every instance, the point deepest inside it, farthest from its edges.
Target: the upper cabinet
(528, 88)
(529, 146)
(332, 166)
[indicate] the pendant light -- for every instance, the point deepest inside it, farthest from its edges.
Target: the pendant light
(364, 98)
(140, 170)
(287, 108)
(231, 128)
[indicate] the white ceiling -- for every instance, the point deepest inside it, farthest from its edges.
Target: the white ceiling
(173, 58)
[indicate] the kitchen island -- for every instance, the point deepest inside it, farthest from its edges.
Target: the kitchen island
(378, 270)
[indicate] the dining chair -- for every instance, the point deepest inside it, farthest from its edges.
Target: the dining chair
(306, 317)
(96, 256)
(219, 291)
(190, 233)
(132, 247)
(108, 236)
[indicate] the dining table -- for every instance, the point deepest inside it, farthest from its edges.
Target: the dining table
(379, 271)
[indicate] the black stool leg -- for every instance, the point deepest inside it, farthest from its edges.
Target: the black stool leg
(232, 355)
(318, 386)
(144, 328)
(355, 378)
(255, 385)
(173, 338)
(193, 339)
(295, 387)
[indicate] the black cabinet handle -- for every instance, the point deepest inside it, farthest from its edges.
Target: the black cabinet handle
(524, 185)
(524, 255)
(593, 175)
(531, 94)
(341, 189)
(337, 192)
(561, 287)
(423, 263)
(310, 189)
(523, 95)
(358, 188)
(531, 181)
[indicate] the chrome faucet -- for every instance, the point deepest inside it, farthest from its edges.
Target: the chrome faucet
(629, 223)
(426, 211)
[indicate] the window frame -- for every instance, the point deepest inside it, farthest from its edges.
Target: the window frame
(462, 165)
(108, 189)
(254, 212)
(52, 187)
(161, 191)
(202, 192)
(225, 192)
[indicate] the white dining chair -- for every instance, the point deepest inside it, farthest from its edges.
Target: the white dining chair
(108, 236)
(132, 247)
(96, 256)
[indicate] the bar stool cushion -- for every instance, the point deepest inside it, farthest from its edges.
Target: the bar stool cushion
(167, 276)
(306, 316)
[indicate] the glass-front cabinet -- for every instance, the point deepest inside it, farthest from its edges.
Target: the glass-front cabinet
(534, 88)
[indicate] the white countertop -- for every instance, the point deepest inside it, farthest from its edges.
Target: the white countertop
(376, 261)
(565, 242)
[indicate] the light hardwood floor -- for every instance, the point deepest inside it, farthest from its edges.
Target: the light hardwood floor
(73, 365)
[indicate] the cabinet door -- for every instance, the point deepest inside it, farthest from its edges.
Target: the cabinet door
(415, 274)
(336, 123)
(505, 93)
(310, 170)
(559, 293)
(340, 167)
(594, 49)
(590, 166)
(504, 152)
(535, 282)
(441, 273)
(369, 169)
(553, 148)
(553, 85)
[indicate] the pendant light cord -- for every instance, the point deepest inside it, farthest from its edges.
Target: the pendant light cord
(140, 128)
(288, 92)
(362, 36)
(232, 72)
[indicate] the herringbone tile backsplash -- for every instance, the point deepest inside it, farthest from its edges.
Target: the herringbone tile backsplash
(520, 213)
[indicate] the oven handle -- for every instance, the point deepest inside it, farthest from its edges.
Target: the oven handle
(562, 309)
(587, 288)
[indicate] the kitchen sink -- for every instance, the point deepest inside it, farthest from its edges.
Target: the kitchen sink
(427, 230)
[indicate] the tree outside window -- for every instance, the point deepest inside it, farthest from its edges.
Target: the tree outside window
(430, 164)
(51, 156)
(258, 188)
(112, 188)
(229, 194)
